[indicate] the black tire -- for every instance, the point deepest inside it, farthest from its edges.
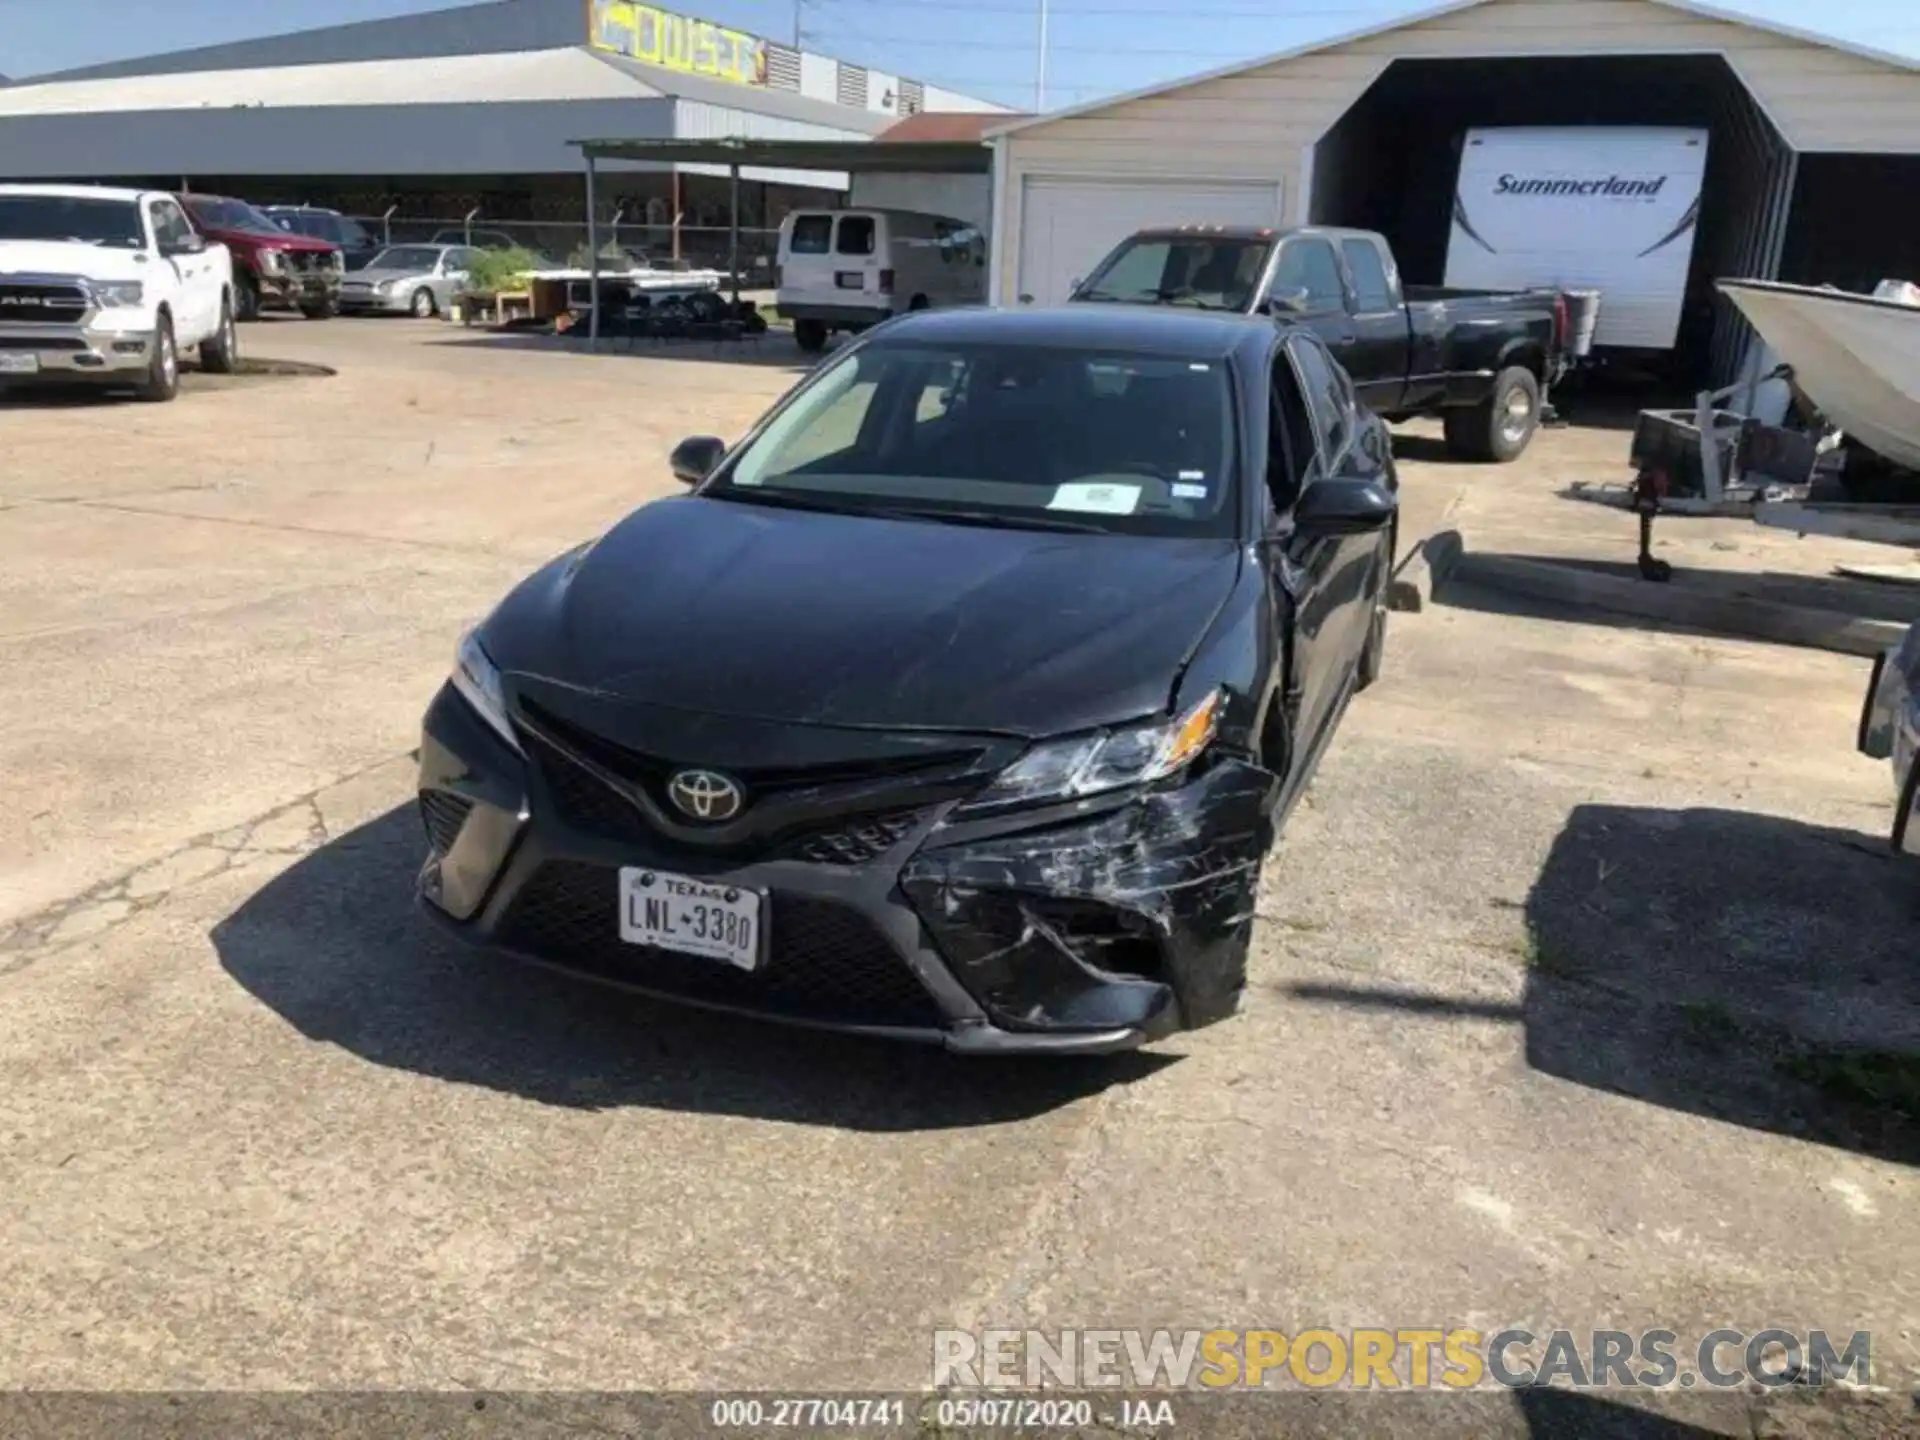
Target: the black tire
(810, 335)
(162, 381)
(423, 306)
(919, 302)
(220, 355)
(321, 309)
(1498, 429)
(246, 299)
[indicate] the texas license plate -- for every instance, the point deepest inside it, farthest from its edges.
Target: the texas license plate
(18, 364)
(850, 279)
(694, 917)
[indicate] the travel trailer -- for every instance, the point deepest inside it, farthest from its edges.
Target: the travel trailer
(1606, 209)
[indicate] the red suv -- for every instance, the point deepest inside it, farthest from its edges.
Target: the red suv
(271, 266)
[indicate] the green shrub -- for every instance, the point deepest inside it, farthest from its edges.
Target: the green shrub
(494, 271)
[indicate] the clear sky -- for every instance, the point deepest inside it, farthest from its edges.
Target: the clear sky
(985, 47)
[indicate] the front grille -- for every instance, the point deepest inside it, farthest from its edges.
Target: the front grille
(585, 802)
(855, 842)
(38, 304)
(824, 962)
(651, 771)
(582, 799)
(443, 815)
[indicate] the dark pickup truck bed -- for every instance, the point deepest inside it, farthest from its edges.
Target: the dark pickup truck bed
(1482, 360)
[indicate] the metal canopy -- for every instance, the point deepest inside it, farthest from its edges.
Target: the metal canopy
(866, 157)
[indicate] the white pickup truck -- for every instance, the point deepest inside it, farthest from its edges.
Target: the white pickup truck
(109, 285)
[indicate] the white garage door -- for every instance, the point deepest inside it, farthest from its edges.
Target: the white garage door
(1067, 225)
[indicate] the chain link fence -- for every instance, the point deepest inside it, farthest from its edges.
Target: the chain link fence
(701, 247)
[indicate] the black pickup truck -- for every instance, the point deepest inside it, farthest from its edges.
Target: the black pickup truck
(1482, 360)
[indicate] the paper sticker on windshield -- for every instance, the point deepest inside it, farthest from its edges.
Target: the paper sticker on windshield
(1096, 499)
(1188, 492)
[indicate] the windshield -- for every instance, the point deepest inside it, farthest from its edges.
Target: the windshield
(57, 217)
(230, 215)
(1209, 273)
(1026, 436)
(406, 257)
(301, 222)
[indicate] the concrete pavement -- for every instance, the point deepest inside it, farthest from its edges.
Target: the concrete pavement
(1519, 1048)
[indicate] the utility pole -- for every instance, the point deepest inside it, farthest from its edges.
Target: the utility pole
(1040, 65)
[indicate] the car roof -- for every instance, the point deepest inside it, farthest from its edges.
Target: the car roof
(77, 192)
(1155, 329)
(1249, 232)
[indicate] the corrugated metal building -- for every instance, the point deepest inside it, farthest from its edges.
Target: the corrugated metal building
(1813, 169)
(470, 104)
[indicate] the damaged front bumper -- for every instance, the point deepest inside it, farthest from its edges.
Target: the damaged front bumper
(1890, 730)
(299, 289)
(1079, 928)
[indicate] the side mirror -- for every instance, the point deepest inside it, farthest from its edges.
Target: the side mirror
(1344, 507)
(695, 458)
(1292, 300)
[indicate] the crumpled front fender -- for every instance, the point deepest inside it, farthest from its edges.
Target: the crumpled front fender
(1139, 916)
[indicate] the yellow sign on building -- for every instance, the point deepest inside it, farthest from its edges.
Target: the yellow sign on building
(676, 42)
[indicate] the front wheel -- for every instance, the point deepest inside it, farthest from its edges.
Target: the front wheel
(810, 335)
(1499, 427)
(246, 299)
(320, 309)
(220, 354)
(423, 305)
(162, 380)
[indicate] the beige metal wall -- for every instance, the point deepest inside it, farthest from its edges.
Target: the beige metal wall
(1257, 124)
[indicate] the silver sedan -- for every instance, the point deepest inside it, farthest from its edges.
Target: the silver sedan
(1890, 730)
(408, 280)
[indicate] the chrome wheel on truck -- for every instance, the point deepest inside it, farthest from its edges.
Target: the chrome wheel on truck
(1499, 427)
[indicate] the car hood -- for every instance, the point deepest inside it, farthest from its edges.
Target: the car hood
(808, 618)
(262, 240)
(58, 257)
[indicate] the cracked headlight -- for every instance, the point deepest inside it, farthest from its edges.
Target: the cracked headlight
(115, 294)
(1106, 759)
(477, 679)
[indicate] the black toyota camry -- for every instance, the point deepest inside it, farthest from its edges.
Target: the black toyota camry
(959, 701)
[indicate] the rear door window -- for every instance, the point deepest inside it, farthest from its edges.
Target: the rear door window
(812, 235)
(1307, 263)
(856, 235)
(1372, 291)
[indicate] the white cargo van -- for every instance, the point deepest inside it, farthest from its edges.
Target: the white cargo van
(848, 269)
(1611, 209)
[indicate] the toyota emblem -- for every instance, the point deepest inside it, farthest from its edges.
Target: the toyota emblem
(705, 794)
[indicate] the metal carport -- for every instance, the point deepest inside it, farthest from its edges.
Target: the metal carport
(850, 157)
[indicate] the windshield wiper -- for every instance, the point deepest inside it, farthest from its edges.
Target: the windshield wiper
(992, 519)
(785, 500)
